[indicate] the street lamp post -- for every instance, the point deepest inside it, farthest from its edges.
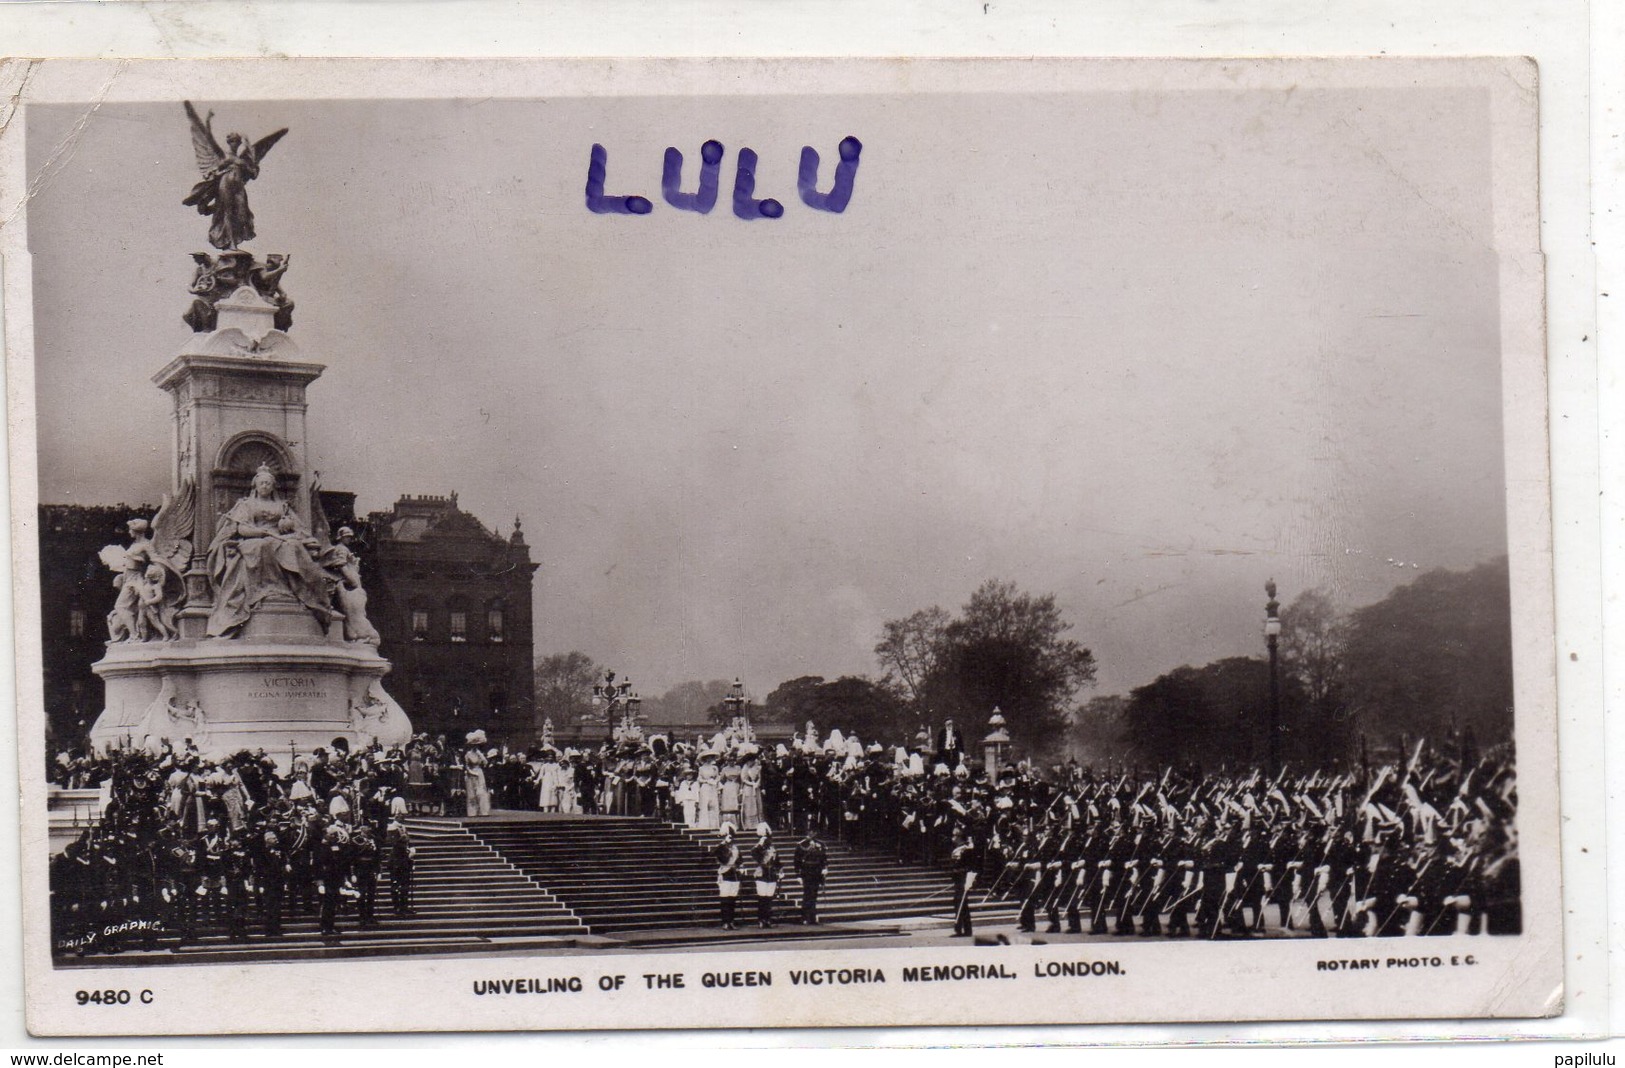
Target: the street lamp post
(736, 704)
(995, 745)
(615, 697)
(1272, 638)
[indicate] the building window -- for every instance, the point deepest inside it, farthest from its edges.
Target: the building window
(459, 626)
(493, 623)
(76, 622)
(420, 624)
(499, 702)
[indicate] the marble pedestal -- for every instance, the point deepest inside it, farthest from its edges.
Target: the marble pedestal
(273, 689)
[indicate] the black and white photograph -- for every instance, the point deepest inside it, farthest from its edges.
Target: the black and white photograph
(782, 543)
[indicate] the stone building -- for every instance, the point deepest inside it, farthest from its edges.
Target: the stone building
(450, 599)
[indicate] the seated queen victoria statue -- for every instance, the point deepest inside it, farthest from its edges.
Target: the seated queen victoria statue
(261, 551)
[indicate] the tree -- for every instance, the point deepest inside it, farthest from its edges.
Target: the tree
(1209, 716)
(1009, 650)
(909, 648)
(1434, 657)
(856, 705)
(687, 702)
(1313, 642)
(1098, 726)
(564, 683)
(795, 701)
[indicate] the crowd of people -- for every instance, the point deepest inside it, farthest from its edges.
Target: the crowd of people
(186, 841)
(1427, 845)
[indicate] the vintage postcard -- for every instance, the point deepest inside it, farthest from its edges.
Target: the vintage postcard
(659, 544)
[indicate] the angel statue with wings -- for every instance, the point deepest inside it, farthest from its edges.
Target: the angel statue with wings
(223, 192)
(148, 572)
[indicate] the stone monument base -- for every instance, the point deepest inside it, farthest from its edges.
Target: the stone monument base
(270, 691)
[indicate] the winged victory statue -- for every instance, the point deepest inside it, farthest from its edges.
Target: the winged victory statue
(223, 190)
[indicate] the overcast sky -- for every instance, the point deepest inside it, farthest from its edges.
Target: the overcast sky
(1141, 351)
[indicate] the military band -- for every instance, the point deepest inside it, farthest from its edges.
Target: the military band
(172, 856)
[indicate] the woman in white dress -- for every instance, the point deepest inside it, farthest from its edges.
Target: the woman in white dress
(478, 794)
(687, 796)
(547, 783)
(730, 792)
(708, 792)
(750, 792)
(568, 802)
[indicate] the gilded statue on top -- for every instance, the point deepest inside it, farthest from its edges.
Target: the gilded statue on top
(223, 191)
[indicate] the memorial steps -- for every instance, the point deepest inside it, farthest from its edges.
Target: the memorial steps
(529, 881)
(465, 899)
(626, 873)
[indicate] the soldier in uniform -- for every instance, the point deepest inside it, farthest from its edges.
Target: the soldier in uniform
(726, 854)
(1184, 883)
(177, 878)
(811, 861)
(239, 886)
(1155, 887)
(401, 854)
(1284, 851)
(1039, 881)
(1218, 882)
(1105, 876)
(766, 873)
(331, 867)
(364, 860)
(303, 842)
(214, 889)
(271, 873)
(963, 861)
(1253, 856)
(1073, 873)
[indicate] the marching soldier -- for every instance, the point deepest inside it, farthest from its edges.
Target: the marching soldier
(811, 861)
(1184, 884)
(1039, 875)
(1107, 876)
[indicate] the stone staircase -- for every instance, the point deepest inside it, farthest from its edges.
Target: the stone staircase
(621, 874)
(862, 884)
(465, 898)
(522, 882)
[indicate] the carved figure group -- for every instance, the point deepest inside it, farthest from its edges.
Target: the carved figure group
(218, 277)
(262, 551)
(368, 718)
(147, 572)
(168, 720)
